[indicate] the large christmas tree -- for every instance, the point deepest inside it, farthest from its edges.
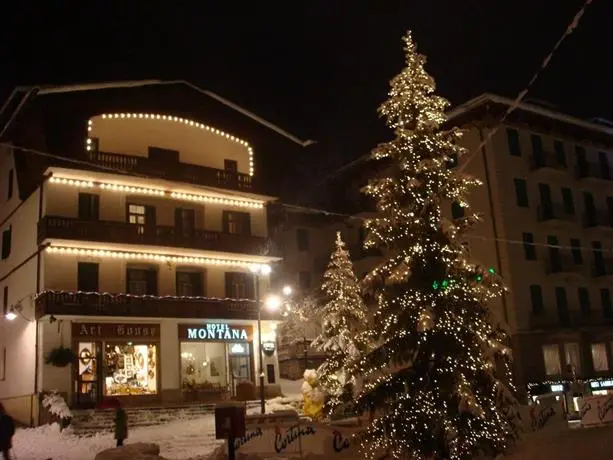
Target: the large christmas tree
(344, 316)
(431, 383)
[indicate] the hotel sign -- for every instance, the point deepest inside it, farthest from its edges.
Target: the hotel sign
(215, 332)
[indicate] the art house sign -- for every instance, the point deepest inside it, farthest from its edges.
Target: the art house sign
(215, 331)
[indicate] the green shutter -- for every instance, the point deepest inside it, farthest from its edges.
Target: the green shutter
(521, 193)
(513, 140)
(536, 298)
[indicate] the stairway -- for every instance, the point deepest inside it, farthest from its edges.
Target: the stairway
(92, 421)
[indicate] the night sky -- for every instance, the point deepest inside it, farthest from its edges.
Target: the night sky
(319, 68)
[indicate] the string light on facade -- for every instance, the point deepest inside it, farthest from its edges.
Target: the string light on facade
(132, 255)
(83, 183)
(173, 119)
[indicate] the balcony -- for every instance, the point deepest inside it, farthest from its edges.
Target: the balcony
(593, 171)
(597, 219)
(156, 235)
(547, 160)
(553, 212)
(562, 263)
(173, 170)
(602, 268)
(92, 304)
(568, 319)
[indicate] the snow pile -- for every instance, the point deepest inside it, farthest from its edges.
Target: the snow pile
(56, 405)
(279, 404)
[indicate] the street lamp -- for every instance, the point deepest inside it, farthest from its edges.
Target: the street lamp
(11, 315)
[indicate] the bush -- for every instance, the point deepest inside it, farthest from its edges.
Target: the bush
(61, 357)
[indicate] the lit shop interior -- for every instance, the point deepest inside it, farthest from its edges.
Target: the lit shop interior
(128, 369)
(214, 365)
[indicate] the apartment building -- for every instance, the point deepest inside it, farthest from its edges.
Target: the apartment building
(143, 254)
(547, 229)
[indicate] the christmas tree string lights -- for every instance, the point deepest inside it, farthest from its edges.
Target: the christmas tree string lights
(431, 382)
(344, 316)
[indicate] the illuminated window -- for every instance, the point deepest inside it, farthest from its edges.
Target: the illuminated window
(599, 357)
(130, 369)
(551, 355)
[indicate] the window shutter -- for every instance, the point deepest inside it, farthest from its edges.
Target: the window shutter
(225, 217)
(249, 285)
(229, 280)
(95, 207)
(149, 216)
(178, 221)
(246, 223)
(152, 282)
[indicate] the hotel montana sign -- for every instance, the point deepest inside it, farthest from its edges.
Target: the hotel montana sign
(215, 332)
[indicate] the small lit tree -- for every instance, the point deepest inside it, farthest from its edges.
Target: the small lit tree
(431, 385)
(342, 337)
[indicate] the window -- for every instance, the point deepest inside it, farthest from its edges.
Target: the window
(190, 283)
(521, 193)
(575, 250)
(529, 247)
(599, 357)
(536, 298)
(603, 162)
(554, 253)
(513, 140)
(599, 262)
(230, 166)
(551, 356)
(160, 155)
(185, 222)
(6, 242)
(5, 300)
(239, 285)
(142, 281)
(304, 279)
(537, 149)
(545, 195)
(302, 238)
(588, 204)
(567, 200)
(9, 193)
(457, 211)
(141, 215)
(87, 277)
(236, 223)
(132, 367)
(89, 206)
(572, 357)
(605, 300)
(562, 305)
(558, 147)
(584, 300)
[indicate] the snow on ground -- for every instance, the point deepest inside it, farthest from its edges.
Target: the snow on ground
(186, 439)
(291, 387)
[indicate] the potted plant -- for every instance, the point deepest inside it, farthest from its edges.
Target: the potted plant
(60, 357)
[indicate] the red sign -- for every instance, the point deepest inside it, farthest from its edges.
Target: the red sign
(230, 421)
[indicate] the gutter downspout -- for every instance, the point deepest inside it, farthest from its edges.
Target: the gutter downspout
(494, 226)
(36, 340)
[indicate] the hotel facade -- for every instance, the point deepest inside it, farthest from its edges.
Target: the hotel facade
(144, 258)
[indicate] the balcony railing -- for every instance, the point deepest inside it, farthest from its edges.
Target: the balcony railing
(561, 262)
(593, 171)
(174, 171)
(93, 304)
(602, 268)
(547, 160)
(597, 219)
(154, 235)
(553, 212)
(564, 319)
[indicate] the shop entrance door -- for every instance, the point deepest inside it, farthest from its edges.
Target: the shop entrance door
(88, 374)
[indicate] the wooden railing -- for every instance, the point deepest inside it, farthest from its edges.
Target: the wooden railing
(154, 235)
(105, 304)
(175, 171)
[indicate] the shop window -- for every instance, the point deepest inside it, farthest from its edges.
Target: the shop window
(551, 355)
(214, 365)
(599, 357)
(130, 369)
(87, 277)
(190, 283)
(89, 206)
(239, 285)
(141, 281)
(270, 373)
(236, 223)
